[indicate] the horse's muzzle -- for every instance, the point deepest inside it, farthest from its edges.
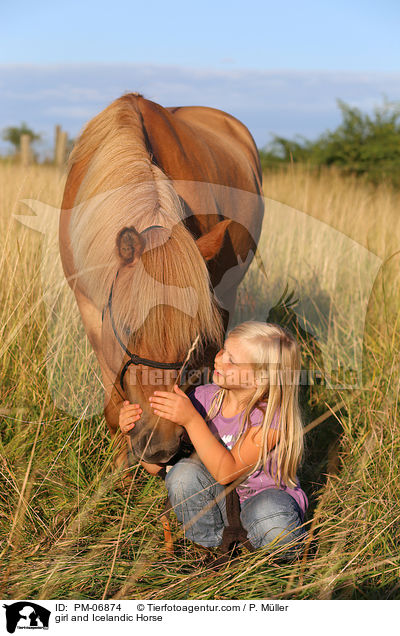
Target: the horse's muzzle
(153, 448)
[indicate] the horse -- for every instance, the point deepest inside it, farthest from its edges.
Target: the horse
(160, 218)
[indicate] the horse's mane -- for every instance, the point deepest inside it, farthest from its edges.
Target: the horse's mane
(121, 188)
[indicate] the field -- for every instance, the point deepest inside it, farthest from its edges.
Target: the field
(68, 527)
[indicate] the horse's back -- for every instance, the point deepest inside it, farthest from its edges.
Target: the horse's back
(208, 154)
(224, 131)
(213, 161)
(202, 144)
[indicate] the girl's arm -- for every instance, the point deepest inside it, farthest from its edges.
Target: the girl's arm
(223, 464)
(128, 416)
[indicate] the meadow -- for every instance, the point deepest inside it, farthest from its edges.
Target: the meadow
(68, 526)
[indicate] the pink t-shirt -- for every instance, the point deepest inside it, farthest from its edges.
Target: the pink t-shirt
(226, 430)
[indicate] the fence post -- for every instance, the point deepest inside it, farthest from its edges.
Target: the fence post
(57, 130)
(61, 149)
(26, 153)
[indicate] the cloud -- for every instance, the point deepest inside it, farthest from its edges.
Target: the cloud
(279, 102)
(69, 112)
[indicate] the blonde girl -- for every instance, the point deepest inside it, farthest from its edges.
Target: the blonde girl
(246, 425)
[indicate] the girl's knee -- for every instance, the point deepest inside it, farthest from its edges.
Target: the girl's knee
(181, 475)
(186, 478)
(273, 518)
(276, 531)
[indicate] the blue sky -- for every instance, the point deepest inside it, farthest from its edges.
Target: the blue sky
(278, 66)
(354, 35)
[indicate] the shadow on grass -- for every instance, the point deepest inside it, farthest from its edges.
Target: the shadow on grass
(367, 590)
(320, 453)
(321, 443)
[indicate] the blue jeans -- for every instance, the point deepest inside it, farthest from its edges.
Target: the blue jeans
(271, 517)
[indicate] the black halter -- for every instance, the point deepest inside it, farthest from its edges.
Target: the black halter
(133, 357)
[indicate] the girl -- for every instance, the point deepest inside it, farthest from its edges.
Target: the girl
(245, 425)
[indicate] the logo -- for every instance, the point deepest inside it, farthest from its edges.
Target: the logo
(26, 615)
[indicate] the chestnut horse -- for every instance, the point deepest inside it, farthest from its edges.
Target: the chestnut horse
(161, 207)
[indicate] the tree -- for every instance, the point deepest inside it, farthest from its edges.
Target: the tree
(361, 144)
(13, 135)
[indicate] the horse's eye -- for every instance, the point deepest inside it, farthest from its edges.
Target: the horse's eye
(127, 331)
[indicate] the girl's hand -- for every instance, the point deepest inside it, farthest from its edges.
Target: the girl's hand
(128, 415)
(175, 407)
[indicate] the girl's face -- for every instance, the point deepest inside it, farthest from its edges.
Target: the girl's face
(233, 368)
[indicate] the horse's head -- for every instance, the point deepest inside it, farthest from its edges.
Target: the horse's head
(159, 303)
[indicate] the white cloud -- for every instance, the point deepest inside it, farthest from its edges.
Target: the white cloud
(280, 102)
(70, 112)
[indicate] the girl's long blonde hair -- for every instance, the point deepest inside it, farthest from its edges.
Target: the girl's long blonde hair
(275, 356)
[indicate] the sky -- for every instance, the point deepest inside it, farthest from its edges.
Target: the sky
(278, 66)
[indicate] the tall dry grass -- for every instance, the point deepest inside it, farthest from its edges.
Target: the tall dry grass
(333, 241)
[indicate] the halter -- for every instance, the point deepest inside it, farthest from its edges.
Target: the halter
(133, 357)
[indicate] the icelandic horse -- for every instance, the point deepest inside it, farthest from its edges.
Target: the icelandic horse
(160, 219)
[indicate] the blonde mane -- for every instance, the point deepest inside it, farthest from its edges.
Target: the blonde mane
(164, 301)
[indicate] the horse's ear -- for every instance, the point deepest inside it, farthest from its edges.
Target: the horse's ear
(210, 244)
(130, 245)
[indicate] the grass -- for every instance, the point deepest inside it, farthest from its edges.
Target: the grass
(68, 527)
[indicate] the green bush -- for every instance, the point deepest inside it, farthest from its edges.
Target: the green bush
(361, 144)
